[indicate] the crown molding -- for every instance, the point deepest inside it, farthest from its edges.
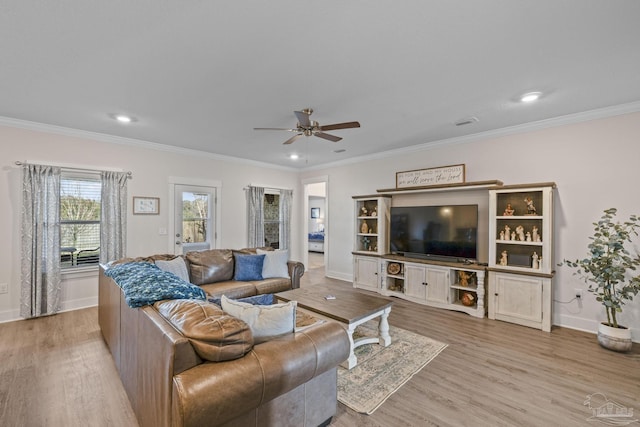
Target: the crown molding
(112, 139)
(600, 113)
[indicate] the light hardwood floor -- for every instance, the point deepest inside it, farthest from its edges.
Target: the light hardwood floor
(56, 371)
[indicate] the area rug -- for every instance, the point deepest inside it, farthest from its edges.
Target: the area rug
(381, 371)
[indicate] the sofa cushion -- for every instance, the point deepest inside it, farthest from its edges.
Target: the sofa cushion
(265, 321)
(248, 267)
(231, 288)
(275, 263)
(176, 266)
(272, 286)
(214, 335)
(265, 299)
(210, 266)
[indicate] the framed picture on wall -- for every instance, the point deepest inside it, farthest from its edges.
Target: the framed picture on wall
(146, 205)
(315, 212)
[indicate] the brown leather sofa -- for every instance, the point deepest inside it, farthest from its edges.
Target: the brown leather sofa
(187, 363)
(213, 271)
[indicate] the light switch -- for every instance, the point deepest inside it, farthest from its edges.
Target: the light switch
(4, 288)
(162, 231)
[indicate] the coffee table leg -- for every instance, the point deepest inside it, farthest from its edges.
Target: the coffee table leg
(352, 360)
(383, 328)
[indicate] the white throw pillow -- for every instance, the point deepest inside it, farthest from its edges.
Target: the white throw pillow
(275, 263)
(265, 321)
(176, 266)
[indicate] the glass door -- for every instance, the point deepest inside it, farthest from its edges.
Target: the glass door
(194, 222)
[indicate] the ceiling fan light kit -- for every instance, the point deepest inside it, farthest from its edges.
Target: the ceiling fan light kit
(308, 127)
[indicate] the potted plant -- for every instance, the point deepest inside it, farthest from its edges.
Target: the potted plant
(609, 272)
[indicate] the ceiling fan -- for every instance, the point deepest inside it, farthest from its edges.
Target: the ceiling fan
(307, 127)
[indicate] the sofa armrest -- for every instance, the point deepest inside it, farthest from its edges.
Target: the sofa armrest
(269, 370)
(296, 270)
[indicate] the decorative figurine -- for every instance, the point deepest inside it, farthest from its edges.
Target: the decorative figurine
(366, 242)
(528, 238)
(503, 258)
(531, 210)
(374, 213)
(513, 235)
(501, 234)
(535, 261)
(509, 211)
(535, 235)
(463, 278)
(507, 232)
(363, 211)
(364, 228)
(520, 233)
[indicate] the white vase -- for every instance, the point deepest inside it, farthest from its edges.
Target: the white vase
(616, 339)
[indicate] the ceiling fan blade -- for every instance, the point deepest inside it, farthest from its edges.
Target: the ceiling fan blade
(346, 125)
(327, 136)
(303, 118)
(288, 130)
(293, 138)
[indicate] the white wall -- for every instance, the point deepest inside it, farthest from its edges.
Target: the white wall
(594, 164)
(151, 169)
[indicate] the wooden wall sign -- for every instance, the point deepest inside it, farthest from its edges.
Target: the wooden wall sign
(453, 174)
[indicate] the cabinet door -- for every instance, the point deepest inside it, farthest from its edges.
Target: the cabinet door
(366, 273)
(437, 285)
(518, 299)
(415, 281)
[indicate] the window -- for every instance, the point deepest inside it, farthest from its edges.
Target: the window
(80, 204)
(272, 220)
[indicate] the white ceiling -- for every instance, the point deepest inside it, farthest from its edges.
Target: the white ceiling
(201, 74)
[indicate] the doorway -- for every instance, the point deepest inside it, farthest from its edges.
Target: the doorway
(194, 215)
(316, 223)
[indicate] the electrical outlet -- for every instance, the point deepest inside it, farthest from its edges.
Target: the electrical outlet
(4, 288)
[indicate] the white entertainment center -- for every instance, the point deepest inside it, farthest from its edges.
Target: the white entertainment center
(519, 286)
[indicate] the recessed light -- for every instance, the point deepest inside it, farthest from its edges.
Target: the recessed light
(294, 157)
(530, 96)
(123, 118)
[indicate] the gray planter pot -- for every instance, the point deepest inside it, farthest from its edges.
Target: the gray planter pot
(616, 339)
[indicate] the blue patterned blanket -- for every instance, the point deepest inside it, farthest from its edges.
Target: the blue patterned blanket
(144, 283)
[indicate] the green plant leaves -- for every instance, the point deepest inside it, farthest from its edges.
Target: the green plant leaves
(609, 263)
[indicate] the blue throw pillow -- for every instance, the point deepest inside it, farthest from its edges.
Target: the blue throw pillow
(248, 267)
(264, 299)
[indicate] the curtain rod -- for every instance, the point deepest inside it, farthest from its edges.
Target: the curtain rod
(266, 187)
(72, 167)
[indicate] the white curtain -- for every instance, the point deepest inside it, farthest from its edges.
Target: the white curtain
(40, 284)
(255, 217)
(286, 199)
(113, 220)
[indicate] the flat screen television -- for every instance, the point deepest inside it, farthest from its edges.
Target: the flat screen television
(448, 231)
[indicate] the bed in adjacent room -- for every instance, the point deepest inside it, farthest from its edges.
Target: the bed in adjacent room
(316, 242)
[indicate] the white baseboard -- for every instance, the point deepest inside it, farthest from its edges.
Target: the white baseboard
(77, 304)
(586, 325)
(9, 316)
(339, 276)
